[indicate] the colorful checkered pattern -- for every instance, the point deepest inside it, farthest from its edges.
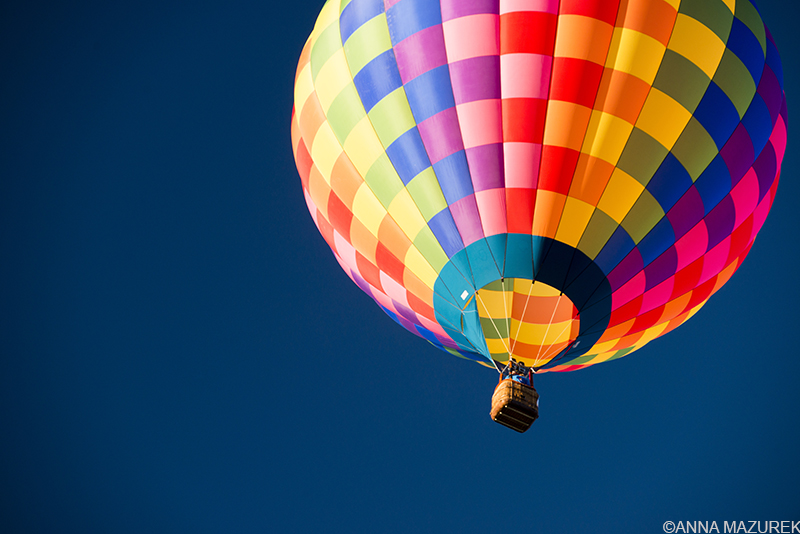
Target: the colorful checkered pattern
(477, 165)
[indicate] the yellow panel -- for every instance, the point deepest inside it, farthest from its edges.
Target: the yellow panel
(543, 334)
(694, 41)
(417, 264)
(674, 3)
(392, 117)
(574, 219)
(497, 346)
(405, 213)
(303, 87)
(362, 146)
(635, 53)
(663, 118)
(606, 136)
(327, 16)
(370, 40)
(547, 212)
(564, 124)
(620, 195)
(604, 347)
(731, 5)
(651, 333)
(496, 303)
(367, 209)
(540, 289)
(325, 150)
(332, 78)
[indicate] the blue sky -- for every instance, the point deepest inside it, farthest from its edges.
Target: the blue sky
(180, 352)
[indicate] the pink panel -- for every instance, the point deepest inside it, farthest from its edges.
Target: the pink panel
(535, 82)
(692, 245)
(312, 208)
(433, 327)
(547, 6)
(632, 289)
(521, 162)
(382, 299)
(714, 260)
(345, 250)
(761, 212)
(745, 197)
(472, 36)
(394, 290)
(658, 295)
(778, 139)
(344, 267)
(480, 122)
(492, 207)
(467, 218)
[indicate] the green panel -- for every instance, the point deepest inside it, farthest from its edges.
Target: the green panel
(500, 285)
(328, 42)
(735, 81)
(495, 329)
(392, 117)
(426, 193)
(642, 156)
(620, 354)
(746, 12)
(682, 80)
(644, 215)
(695, 148)
(597, 234)
(369, 41)
(383, 180)
(430, 249)
(582, 359)
(345, 112)
(713, 14)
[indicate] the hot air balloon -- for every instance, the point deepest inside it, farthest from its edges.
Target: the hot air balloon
(539, 185)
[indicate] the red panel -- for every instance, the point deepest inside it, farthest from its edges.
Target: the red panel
(527, 32)
(303, 160)
(557, 168)
(575, 80)
(701, 293)
(339, 215)
(645, 321)
(519, 209)
(326, 229)
(368, 271)
(740, 238)
(605, 10)
(523, 119)
(686, 279)
(420, 307)
(626, 312)
(388, 263)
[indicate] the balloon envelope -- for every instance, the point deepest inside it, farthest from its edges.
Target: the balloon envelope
(558, 182)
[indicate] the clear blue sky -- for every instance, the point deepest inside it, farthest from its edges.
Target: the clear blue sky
(179, 351)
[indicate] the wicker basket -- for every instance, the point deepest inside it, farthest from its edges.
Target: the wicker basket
(515, 405)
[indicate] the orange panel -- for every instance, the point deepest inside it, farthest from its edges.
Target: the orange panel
(345, 180)
(621, 94)
(591, 177)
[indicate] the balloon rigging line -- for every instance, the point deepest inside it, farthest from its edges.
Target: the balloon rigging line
(569, 324)
(547, 330)
(522, 318)
(507, 313)
(502, 340)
